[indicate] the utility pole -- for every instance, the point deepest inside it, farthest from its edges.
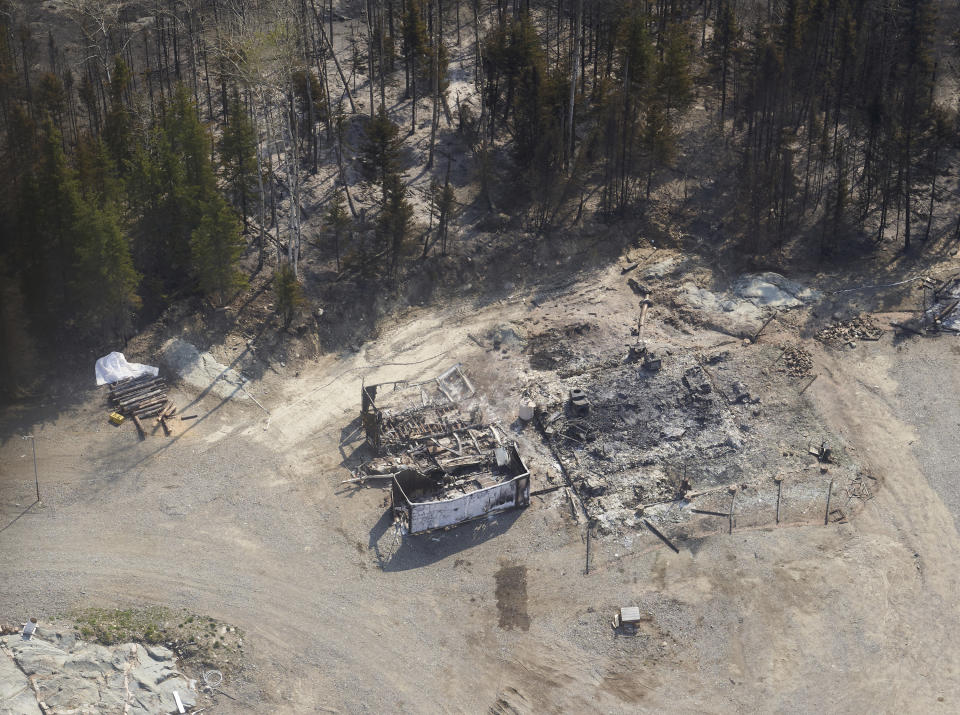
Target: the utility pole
(36, 477)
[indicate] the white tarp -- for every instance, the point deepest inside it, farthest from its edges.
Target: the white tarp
(114, 366)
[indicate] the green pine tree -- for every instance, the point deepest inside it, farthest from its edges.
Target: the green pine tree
(395, 217)
(380, 149)
(238, 156)
(338, 221)
(287, 293)
(674, 85)
(105, 282)
(172, 189)
(216, 246)
(659, 144)
(118, 123)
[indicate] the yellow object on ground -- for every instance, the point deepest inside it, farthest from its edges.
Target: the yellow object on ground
(116, 418)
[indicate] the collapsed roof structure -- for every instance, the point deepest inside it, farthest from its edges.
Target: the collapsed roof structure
(446, 463)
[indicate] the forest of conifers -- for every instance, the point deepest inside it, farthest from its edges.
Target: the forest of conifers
(148, 146)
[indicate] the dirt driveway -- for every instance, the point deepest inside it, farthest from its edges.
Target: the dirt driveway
(242, 516)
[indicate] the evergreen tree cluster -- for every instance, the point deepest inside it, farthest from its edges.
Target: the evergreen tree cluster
(130, 176)
(124, 218)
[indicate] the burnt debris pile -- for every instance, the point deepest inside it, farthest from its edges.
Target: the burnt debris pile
(630, 438)
(446, 464)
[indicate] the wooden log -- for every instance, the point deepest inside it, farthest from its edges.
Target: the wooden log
(138, 385)
(166, 427)
(160, 393)
(139, 397)
(119, 383)
(157, 405)
(160, 385)
(157, 399)
(137, 410)
(163, 410)
(168, 408)
(127, 382)
(149, 411)
(129, 389)
(139, 425)
(139, 406)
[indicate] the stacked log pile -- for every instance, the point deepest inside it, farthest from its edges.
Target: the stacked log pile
(143, 397)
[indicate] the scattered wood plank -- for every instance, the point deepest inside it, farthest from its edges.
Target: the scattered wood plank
(139, 425)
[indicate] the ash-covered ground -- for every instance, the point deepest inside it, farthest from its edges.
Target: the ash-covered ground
(661, 444)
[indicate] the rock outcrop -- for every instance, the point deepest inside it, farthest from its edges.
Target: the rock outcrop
(66, 675)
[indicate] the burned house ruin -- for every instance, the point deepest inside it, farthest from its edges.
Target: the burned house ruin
(446, 464)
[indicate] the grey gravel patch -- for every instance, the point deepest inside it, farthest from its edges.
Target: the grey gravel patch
(201, 370)
(772, 290)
